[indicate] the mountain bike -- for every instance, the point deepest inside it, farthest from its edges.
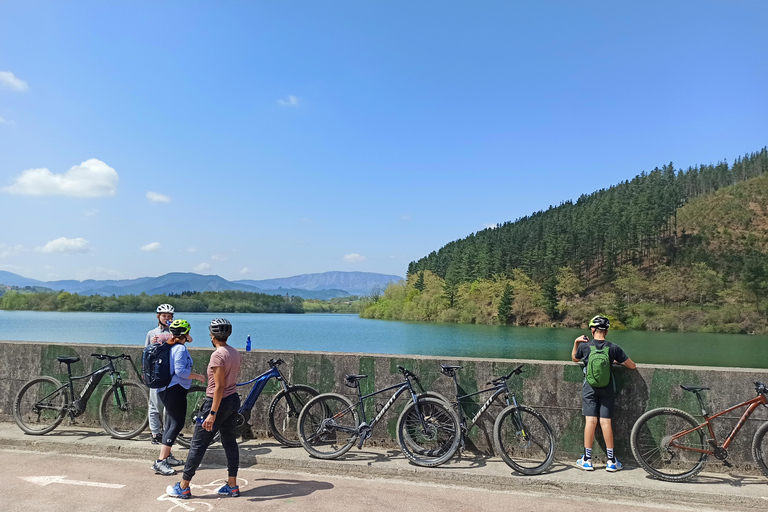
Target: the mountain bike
(671, 445)
(283, 411)
(521, 435)
(427, 429)
(42, 403)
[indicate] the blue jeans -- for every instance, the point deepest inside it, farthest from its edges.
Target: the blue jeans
(226, 417)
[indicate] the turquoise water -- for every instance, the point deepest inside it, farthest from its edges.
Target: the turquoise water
(349, 333)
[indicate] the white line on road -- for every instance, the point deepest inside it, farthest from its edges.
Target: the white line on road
(47, 480)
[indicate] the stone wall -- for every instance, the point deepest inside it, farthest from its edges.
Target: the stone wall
(553, 388)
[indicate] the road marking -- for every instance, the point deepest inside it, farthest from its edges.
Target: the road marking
(47, 480)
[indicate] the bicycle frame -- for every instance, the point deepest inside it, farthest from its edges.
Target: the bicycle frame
(76, 406)
(401, 389)
(259, 383)
(751, 405)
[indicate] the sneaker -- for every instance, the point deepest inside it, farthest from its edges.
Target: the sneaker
(614, 466)
(157, 439)
(176, 491)
(230, 491)
(162, 468)
(585, 464)
(173, 461)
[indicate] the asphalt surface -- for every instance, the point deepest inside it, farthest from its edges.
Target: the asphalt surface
(74, 469)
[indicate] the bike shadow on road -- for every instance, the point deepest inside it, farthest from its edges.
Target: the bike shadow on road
(730, 480)
(284, 489)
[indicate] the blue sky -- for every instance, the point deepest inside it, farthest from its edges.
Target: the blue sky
(267, 139)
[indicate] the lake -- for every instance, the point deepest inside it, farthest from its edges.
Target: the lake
(349, 333)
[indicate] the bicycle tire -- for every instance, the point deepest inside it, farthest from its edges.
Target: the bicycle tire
(413, 445)
(650, 439)
(284, 413)
(760, 448)
(129, 419)
(195, 397)
(441, 439)
(524, 440)
(328, 426)
(26, 410)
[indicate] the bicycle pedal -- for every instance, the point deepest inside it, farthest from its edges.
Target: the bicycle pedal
(727, 464)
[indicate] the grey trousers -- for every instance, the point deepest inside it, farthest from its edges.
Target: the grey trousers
(156, 408)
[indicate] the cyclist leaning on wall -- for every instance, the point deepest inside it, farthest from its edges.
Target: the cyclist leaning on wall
(599, 388)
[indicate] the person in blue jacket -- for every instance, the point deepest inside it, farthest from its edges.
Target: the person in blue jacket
(174, 396)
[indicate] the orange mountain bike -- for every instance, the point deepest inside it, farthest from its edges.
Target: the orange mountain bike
(671, 445)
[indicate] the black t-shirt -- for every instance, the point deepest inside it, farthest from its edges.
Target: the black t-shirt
(615, 353)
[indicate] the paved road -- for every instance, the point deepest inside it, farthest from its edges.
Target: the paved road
(41, 482)
(280, 478)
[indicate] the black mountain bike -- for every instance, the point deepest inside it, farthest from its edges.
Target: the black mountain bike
(283, 411)
(521, 435)
(43, 402)
(427, 430)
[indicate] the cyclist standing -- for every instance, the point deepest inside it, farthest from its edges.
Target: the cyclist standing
(174, 396)
(220, 412)
(597, 399)
(160, 333)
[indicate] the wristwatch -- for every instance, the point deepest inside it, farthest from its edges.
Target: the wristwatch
(212, 413)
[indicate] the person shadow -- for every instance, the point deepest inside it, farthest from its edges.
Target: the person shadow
(284, 489)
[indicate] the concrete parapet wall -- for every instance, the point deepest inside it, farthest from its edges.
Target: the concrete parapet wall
(552, 387)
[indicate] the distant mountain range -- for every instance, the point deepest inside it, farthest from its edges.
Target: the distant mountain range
(326, 285)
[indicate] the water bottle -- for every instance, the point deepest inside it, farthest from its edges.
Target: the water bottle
(248, 343)
(199, 419)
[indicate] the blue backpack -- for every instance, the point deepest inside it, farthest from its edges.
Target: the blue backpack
(156, 365)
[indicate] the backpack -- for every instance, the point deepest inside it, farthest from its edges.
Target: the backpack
(598, 369)
(156, 365)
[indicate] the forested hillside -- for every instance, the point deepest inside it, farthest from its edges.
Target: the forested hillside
(670, 249)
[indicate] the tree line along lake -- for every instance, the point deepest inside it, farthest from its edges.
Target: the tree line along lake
(349, 333)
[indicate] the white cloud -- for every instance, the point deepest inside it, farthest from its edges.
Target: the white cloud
(192, 249)
(92, 178)
(290, 101)
(216, 257)
(491, 226)
(245, 270)
(65, 245)
(7, 251)
(7, 121)
(201, 267)
(353, 258)
(156, 197)
(10, 80)
(154, 246)
(11, 268)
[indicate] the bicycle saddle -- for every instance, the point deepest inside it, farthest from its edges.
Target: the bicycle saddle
(693, 389)
(450, 367)
(68, 359)
(355, 378)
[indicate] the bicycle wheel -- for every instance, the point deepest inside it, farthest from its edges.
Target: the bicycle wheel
(195, 398)
(284, 413)
(760, 448)
(124, 409)
(412, 444)
(658, 454)
(430, 434)
(524, 440)
(40, 405)
(328, 426)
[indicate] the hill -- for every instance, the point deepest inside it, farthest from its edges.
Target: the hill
(670, 249)
(309, 286)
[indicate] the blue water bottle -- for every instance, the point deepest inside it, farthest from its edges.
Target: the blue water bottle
(248, 343)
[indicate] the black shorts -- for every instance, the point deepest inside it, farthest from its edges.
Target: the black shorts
(596, 404)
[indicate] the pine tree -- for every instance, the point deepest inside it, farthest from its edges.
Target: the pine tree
(505, 305)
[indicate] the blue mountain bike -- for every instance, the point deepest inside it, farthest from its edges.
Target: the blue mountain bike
(283, 411)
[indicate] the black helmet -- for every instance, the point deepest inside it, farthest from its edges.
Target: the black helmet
(220, 328)
(600, 322)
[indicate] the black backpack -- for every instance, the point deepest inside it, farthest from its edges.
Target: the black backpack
(156, 365)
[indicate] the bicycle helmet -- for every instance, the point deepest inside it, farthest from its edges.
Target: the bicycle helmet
(600, 322)
(165, 308)
(220, 328)
(179, 327)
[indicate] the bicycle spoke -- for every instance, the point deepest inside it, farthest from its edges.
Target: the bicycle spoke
(40, 405)
(328, 426)
(124, 409)
(524, 440)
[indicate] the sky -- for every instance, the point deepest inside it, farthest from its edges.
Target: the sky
(258, 140)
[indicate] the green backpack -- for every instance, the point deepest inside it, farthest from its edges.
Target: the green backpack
(598, 370)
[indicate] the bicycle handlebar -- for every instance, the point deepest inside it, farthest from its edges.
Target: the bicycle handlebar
(761, 389)
(275, 362)
(107, 356)
(407, 373)
(499, 380)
